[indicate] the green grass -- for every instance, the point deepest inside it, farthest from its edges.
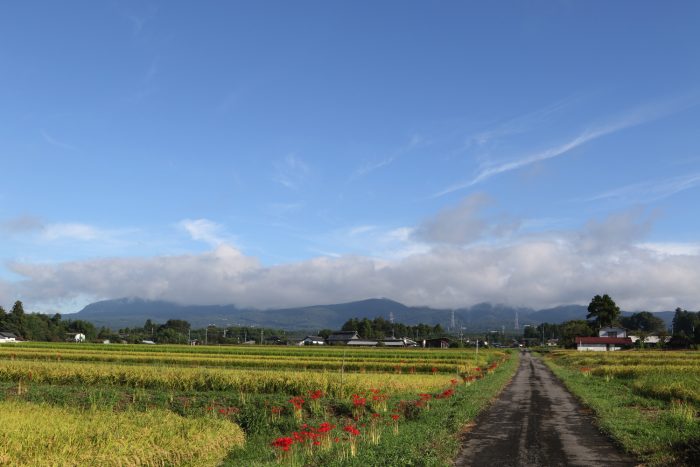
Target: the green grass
(655, 429)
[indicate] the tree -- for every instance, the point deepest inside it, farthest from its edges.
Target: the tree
(686, 327)
(643, 321)
(569, 330)
(604, 311)
(16, 320)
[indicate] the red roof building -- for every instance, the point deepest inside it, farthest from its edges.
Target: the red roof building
(602, 343)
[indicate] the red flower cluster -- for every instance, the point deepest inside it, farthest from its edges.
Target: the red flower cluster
(446, 394)
(352, 430)
(283, 443)
(317, 394)
(358, 401)
(297, 402)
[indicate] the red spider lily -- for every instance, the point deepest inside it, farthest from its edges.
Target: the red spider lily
(283, 443)
(395, 417)
(297, 402)
(434, 370)
(358, 401)
(317, 394)
(453, 382)
(446, 394)
(351, 429)
(325, 427)
(425, 397)
(376, 415)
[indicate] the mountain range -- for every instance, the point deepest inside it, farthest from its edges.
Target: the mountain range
(133, 312)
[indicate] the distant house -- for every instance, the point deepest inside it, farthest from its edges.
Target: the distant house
(313, 340)
(363, 342)
(399, 342)
(651, 339)
(7, 337)
(612, 332)
(437, 342)
(342, 337)
(602, 343)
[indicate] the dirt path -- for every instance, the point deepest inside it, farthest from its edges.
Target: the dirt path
(537, 422)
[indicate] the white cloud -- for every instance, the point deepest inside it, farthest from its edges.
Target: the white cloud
(542, 271)
(630, 119)
(204, 230)
(464, 223)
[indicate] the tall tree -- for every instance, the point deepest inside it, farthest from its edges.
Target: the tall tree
(16, 320)
(604, 311)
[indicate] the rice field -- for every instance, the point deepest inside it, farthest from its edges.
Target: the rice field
(41, 435)
(648, 400)
(260, 405)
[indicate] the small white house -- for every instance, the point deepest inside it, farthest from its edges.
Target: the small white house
(313, 340)
(79, 337)
(6, 337)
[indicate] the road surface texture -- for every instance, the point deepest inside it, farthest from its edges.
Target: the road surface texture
(537, 422)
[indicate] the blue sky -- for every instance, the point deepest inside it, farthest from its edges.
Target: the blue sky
(290, 153)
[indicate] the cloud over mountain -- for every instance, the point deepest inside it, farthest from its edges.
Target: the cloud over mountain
(537, 271)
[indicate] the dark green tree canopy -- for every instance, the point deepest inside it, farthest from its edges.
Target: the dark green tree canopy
(643, 321)
(603, 311)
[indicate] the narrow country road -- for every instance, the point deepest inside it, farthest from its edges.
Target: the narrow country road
(537, 422)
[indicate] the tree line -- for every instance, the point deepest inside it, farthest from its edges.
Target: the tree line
(41, 327)
(380, 328)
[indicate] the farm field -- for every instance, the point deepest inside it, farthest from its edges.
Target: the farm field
(649, 401)
(258, 405)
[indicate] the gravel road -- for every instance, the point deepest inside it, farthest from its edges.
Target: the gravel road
(537, 422)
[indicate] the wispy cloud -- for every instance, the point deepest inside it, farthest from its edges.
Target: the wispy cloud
(630, 119)
(367, 168)
(650, 191)
(291, 171)
(521, 123)
(55, 142)
(206, 231)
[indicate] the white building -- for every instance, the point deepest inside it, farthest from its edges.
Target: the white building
(602, 343)
(7, 337)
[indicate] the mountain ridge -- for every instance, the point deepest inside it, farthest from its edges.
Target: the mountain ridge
(133, 312)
